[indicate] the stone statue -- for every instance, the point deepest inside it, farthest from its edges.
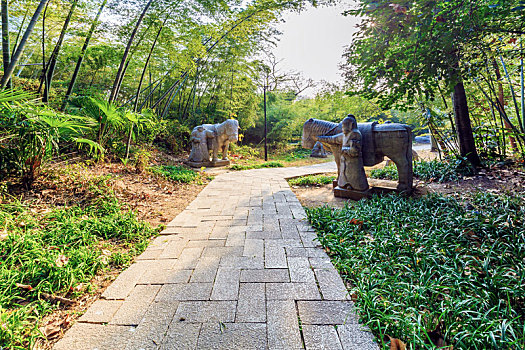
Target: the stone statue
(318, 151)
(225, 133)
(352, 173)
(215, 138)
(199, 140)
(377, 141)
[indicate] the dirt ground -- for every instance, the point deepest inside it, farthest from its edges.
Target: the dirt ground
(495, 180)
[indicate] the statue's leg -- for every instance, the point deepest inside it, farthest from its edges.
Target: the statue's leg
(215, 150)
(225, 150)
(403, 162)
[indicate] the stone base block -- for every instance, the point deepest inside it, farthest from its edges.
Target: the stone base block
(220, 162)
(357, 195)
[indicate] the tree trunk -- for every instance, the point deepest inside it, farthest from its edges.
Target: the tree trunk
(118, 78)
(54, 55)
(467, 146)
(83, 53)
(21, 46)
(6, 50)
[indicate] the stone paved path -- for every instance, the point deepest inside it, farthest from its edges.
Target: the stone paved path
(238, 269)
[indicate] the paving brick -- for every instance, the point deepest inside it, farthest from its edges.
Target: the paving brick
(153, 327)
(206, 243)
(317, 337)
(242, 262)
(235, 239)
(253, 248)
(331, 284)
(292, 291)
(265, 275)
(181, 336)
(264, 235)
(274, 256)
(206, 311)
(184, 291)
(251, 306)
(159, 273)
(222, 251)
(321, 263)
(188, 259)
(228, 336)
(134, 307)
(173, 249)
(101, 311)
(126, 281)
(327, 312)
(85, 336)
(226, 286)
(205, 270)
(283, 325)
(356, 337)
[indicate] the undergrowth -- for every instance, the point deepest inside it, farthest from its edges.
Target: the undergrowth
(434, 171)
(271, 164)
(53, 252)
(177, 173)
(311, 180)
(435, 270)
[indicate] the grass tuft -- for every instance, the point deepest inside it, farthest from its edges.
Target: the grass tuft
(434, 170)
(271, 164)
(311, 180)
(176, 173)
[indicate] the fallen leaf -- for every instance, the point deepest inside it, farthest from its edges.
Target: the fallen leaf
(396, 344)
(24, 286)
(61, 260)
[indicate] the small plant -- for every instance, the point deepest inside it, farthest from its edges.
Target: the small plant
(271, 164)
(434, 170)
(312, 180)
(142, 158)
(176, 173)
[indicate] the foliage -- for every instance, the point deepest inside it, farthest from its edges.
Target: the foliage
(433, 170)
(311, 180)
(432, 268)
(57, 252)
(176, 173)
(271, 164)
(31, 134)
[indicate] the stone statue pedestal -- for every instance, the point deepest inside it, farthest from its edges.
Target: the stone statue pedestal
(210, 164)
(357, 195)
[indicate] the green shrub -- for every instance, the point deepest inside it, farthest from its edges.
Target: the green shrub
(295, 154)
(434, 170)
(175, 173)
(311, 180)
(433, 265)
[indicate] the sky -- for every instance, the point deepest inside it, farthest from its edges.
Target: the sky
(313, 42)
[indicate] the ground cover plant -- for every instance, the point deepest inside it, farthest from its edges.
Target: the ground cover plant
(270, 164)
(50, 254)
(312, 180)
(433, 271)
(433, 171)
(177, 173)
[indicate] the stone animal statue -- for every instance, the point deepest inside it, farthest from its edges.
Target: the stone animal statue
(318, 151)
(378, 140)
(224, 133)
